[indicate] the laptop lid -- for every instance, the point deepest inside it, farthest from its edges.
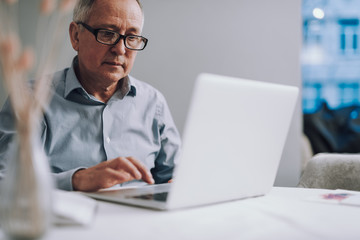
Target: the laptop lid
(233, 140)
(232, 144)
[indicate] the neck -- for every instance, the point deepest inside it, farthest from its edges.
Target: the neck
(100, 92)
(95, 87)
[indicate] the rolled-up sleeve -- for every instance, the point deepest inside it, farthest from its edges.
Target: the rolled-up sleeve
(63, 180)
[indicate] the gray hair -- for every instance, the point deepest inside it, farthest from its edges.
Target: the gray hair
(83, 8)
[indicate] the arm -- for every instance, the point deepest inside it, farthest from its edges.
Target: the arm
(63, 180)
(102, 175)
(7, 133)
(170, 146)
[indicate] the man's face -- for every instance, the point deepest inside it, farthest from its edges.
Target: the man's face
(104, 63)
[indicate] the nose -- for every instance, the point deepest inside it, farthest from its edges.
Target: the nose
(119, 48)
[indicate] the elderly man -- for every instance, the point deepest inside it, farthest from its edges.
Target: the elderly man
(102, 126)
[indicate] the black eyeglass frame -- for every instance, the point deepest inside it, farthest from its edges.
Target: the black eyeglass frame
(95, 33)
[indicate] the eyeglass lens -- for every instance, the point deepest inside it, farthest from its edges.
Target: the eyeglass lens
(110, 37)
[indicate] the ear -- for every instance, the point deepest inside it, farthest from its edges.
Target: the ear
(74, 35)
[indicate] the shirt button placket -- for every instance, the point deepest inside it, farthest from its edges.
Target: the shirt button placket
(107, 120)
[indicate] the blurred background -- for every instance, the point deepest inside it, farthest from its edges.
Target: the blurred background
(330, 62)
(255, 39)
(331, 53)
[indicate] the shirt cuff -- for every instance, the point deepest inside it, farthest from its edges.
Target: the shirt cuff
(63, 180)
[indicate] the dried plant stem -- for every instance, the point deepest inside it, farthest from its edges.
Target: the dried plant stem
(28, 201)
(42, 84)
(14, 69)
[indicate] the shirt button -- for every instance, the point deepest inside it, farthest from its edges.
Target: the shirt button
(108, 140)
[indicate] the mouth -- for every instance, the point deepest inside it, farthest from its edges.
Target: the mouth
(113, 63)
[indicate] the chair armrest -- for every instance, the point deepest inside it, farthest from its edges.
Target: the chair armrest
(332, 171)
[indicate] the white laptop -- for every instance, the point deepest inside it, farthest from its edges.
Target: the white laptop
(232, 145)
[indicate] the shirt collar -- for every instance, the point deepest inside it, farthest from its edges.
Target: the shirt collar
(72, 83)
(127, 89)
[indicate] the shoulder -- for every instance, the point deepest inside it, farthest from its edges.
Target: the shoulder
(150, 97)
(54, 79)
(59, 77)
(145, 90)
(58, 81)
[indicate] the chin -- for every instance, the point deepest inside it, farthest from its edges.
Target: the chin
(114, 77)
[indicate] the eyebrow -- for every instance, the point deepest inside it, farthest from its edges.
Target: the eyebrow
(115, 28)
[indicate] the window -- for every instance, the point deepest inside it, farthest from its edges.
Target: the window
(330, 54)
(349, 35)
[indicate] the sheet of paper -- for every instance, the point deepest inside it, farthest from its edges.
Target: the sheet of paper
(338, 196)
(72, 208)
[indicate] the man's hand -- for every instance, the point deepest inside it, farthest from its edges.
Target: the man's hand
(110, 173)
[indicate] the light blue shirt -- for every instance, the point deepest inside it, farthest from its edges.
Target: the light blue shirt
(79, 131)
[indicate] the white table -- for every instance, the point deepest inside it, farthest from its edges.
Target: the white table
(285, 213)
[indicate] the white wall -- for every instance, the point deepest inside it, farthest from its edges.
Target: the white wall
(256, 39)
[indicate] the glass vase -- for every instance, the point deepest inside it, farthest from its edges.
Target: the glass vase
(25, 196)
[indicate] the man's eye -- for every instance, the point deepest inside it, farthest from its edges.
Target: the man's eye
(106, 35)
(132, 38)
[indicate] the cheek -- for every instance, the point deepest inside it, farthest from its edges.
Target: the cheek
(91, 51)
(91, 55)
(131, 59)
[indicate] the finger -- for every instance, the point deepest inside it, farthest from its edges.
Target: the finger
(110, 177)
(113, 177)
(146, 175)
(123, 164)
(96, 178)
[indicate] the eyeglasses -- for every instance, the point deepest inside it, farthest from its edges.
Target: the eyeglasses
(111, 38)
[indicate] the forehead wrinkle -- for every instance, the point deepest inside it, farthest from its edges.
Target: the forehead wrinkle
(122, 26)
(115, 16)
(116, 28)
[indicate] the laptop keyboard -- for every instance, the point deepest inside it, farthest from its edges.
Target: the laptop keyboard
(161, 197)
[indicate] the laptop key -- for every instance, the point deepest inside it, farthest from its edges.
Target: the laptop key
(155, 196)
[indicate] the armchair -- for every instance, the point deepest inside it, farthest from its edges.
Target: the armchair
(332, 171)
